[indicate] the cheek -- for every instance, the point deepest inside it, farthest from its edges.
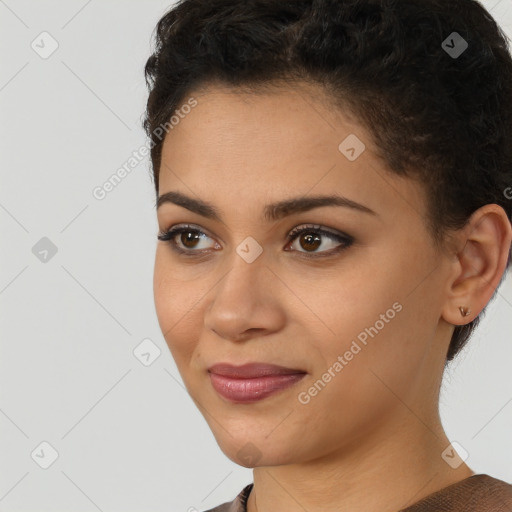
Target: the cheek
(382, 321)
(177, 304)
(359, 381)
(175, 291)
(161, 293)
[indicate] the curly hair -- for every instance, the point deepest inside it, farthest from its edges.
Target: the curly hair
(441, 118)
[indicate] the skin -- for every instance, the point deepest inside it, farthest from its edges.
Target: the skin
(371, 439)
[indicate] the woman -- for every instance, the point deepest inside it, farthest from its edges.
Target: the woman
(333, 185)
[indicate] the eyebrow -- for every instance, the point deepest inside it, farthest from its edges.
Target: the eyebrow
(272, 212)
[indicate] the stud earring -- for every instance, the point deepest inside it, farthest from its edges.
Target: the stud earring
(464, 311)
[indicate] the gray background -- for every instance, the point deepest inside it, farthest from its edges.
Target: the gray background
(128, 436)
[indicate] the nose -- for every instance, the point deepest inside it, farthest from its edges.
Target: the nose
(245, 303)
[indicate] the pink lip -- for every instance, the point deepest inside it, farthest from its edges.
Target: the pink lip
(252, 382)
(251, 370)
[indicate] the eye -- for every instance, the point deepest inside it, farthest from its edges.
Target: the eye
(189, 236)
(309, 237)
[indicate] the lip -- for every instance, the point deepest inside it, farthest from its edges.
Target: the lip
(252, 382)
(251, 370)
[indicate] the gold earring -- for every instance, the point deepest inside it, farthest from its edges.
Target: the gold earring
(464, 311)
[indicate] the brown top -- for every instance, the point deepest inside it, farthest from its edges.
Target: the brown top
(477, 493)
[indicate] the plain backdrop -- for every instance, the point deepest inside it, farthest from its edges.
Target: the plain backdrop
(86, 422)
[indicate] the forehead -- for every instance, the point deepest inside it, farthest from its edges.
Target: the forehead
(289, 121)
(276, 144)
(285, 133)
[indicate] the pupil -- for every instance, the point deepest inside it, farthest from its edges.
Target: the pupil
(188, 238)
(311, 240)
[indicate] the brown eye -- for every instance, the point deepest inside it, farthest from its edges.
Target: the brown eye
(310, 241)
(311, 238)
(187, 241)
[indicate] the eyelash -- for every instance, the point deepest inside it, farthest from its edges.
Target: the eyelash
(345, 240)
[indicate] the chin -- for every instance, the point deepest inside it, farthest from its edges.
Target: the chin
(251, 451)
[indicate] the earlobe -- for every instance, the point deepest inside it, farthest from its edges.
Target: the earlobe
(479, 264)
(464, 311)
(462, 316)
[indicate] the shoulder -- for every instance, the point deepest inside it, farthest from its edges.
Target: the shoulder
(239, 504)
(478, 493)
(493, 494)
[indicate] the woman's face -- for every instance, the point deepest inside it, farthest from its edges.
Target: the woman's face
(361, 319)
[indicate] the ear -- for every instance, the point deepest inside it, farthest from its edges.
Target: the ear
(479, 263)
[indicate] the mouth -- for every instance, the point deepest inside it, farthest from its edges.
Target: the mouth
(252, 382)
